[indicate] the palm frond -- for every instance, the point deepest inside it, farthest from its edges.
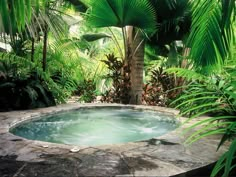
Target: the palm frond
(95, 37)
(173, 19)
(189, 75)
(121, 13)
(29, 18)
(211, 33)
(225, 162)
(214, 97)
(15, 14)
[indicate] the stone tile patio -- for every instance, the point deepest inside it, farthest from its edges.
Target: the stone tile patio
(161, 156)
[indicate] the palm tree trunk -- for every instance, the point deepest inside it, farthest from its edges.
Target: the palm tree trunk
(137, 65)
(32, 49)
(45, 41)
(125, 89)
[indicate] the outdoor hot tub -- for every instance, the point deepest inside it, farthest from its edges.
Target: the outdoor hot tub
(102, 140)
(98, 126)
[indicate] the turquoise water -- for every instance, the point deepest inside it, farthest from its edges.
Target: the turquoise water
(97, 126)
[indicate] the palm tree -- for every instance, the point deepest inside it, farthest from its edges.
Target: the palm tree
(127, 14)
(137, 65)
(171, 17)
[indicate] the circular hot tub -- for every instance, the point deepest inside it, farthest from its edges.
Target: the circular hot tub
(97, 126)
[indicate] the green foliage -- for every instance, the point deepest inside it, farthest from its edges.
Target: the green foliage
(187, 74)
(71, 68)
(214, 96)
(86, 91)
(226, 162)
(173, 19)
(160, 90)
(29, 19)
(15, 15)
(203, 94)
(120, 83)
(22, 86)
(121, 13)
(95, 37)
(211, 38)
(211, 34)
(63, 65)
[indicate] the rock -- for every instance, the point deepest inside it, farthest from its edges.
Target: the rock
(74, 150)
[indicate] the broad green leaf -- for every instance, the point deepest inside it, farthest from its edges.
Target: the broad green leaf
(121, 13)
(95, 37)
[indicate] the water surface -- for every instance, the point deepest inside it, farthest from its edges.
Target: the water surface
(97, 126)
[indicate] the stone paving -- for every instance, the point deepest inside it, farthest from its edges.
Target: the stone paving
(161, 156)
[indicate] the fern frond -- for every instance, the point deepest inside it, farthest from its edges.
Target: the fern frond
(189, 75)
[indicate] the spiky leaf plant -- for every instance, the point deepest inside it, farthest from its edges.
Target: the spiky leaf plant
(214, 96)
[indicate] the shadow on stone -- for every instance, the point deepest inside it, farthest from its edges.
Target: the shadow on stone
(160, 141)
(138, 163)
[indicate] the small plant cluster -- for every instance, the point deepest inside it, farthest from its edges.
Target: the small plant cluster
(86, 91)
(161, 88)
(119, 73)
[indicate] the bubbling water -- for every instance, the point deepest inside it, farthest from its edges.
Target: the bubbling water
(97, 126)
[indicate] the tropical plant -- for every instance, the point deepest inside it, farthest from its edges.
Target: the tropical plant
(63, 65)
(115, 67)
(86, 91)
(202, 93)
(212, 96)
(211, 33)
(211, 37)
(124, 13)
(120, 81)
(15, 15)
(153, 95)
(162, 88)
(29, 21)
(22, 86)
(173, 19)
(133, 40)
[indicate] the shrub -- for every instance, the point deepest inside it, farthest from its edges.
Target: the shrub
(214, 96)
(25, 86)
(160, 90)
(23, 90)
(119, 74)
(86, 91)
